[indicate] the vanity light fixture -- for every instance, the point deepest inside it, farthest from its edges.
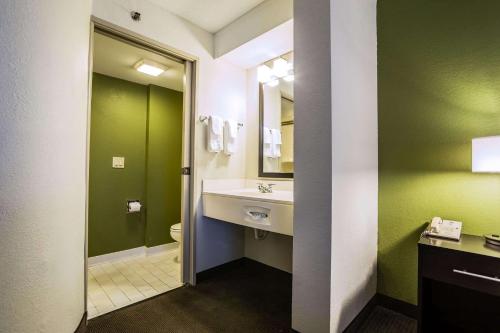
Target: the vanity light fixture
(273, 83)
(264, 73)
(486, 154)
(280, 67)
(150, 67)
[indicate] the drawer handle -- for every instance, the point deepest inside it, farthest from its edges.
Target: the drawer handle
(484, 277)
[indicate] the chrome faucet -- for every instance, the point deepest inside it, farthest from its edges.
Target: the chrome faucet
(265, 188)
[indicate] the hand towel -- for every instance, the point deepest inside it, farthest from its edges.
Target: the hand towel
(276, 142)
(214, 134)
(230, 135)
(267, 142)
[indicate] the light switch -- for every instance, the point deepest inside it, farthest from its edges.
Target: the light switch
(118, 162)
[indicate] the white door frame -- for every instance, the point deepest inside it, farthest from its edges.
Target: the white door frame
(188, 273)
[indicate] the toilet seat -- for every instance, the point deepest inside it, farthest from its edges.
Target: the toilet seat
(176, 227)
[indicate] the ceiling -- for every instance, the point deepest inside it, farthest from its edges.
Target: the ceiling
(211, 15)
(115, 58)
(269, 45)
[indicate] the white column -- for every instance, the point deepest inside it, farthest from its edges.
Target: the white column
(43, 128)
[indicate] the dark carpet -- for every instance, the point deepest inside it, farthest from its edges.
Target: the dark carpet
(382, 320)
(242, 296)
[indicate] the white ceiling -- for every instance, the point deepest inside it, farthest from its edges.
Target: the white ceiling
(269, 45)
(211, 15)
(115, 58)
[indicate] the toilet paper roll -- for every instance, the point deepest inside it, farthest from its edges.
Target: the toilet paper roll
(134, 206)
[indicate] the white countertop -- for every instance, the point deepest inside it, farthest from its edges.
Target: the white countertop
(278, 196)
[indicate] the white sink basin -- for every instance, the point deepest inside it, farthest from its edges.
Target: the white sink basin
(249, 207)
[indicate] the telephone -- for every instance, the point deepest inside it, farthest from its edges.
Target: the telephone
(444, 228)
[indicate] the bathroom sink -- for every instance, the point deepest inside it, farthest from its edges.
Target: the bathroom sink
(247, 206)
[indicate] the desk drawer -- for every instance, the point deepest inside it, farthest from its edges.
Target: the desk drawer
(464, 269)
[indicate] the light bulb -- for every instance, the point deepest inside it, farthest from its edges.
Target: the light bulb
(280, 67)
(264, 73)
(273, 83)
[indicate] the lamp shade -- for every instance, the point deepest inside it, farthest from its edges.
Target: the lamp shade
(486, 154)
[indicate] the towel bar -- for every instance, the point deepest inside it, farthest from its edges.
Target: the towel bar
(203, 118)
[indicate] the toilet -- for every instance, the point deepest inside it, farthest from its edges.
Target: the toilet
(176, 234)
(175, 231)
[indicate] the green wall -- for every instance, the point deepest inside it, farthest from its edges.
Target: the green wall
(439, 87)
(164, 161)
(143, 124)
(118, 123)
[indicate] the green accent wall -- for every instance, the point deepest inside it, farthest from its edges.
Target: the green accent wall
(439, 87)
(118, 128)
(144, 125)
(164, 162)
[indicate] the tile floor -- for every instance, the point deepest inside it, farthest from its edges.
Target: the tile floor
(115, 284)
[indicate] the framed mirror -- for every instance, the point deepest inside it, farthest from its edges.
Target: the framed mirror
(276, 123)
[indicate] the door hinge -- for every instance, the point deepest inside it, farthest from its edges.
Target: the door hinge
(186, 171)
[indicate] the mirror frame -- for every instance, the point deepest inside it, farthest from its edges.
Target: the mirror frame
(261, 135)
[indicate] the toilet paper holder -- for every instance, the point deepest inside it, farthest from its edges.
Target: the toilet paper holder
(133, 206)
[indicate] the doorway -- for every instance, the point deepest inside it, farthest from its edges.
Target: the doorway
(139, 236)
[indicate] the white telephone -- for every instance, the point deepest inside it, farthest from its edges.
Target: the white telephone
(444, 228)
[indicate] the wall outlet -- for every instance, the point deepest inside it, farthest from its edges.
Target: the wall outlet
(118, 162)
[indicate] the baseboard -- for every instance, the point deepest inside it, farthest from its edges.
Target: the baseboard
(355, 325)
(141, 251)
(161, 248)
(135, 252)
(396, 305)
(82, 327)
(200, 276)
(408, 309)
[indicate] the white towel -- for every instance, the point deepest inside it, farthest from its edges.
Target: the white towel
(276, 133)
(214, 134)
(230, 135)
(267, 142)
(276, 142)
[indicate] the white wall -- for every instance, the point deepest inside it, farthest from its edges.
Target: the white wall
(313, 171)
(275, 250)
(43, 120)
(221, 90)
(252, 124)
(355, 158)
(335, 220)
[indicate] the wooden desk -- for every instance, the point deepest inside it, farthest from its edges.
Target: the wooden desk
(458, 285)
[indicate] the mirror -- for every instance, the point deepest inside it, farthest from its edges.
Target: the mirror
(276, 120)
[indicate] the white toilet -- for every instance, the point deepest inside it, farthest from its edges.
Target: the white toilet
(176, 231)
(176, 234)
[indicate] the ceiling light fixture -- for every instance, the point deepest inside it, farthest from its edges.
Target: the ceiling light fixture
(150, 67)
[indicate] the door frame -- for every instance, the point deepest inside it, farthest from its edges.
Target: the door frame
(188, 273)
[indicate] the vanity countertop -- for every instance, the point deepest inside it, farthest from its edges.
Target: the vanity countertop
(277, 196)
